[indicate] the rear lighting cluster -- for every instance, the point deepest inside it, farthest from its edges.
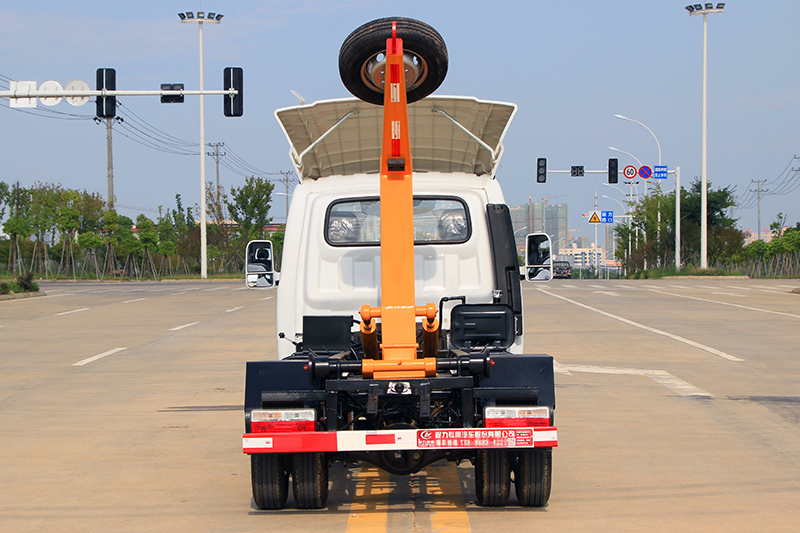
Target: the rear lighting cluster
(507, 417)
(282, 421)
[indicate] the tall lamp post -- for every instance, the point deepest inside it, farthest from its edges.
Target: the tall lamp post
(658, 145)
(705, 10)
(200, 19)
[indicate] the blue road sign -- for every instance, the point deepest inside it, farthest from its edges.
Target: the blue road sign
(660, 172)
(607, 217)
(645, 172)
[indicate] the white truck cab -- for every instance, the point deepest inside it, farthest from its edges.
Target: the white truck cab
(331, 254)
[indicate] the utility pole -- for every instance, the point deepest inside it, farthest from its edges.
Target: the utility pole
(759, 193)
(285, 181)
(109, 156)
(216, 154)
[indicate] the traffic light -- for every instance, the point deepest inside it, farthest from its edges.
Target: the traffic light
(106, 80)
(576, 171)
(541, 170)
(613, 170)
(172, 98)
(233, 78)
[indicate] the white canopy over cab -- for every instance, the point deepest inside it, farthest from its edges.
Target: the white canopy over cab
(448, 134)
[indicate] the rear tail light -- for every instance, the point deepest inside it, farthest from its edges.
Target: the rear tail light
(282, 421)
(506, 417)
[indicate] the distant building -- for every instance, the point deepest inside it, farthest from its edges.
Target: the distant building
(527, 218)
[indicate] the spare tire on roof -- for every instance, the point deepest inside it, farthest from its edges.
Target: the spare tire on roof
(362, 59)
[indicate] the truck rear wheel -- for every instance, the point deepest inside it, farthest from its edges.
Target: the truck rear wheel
(492, 477)
(533, 477)
(310, 480)
(270, 480)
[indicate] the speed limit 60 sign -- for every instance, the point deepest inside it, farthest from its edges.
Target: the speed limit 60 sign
(630, 172)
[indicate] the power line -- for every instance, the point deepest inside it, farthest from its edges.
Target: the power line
(787, 181)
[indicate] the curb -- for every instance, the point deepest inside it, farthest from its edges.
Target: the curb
(21, 295)
(796, 291)
(723, 278)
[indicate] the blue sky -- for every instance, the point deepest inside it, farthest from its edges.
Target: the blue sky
(569, 66)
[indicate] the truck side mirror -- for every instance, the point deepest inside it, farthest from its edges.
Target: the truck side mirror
(259, 271)
(538, 261)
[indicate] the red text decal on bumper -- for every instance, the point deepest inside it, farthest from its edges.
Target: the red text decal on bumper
(475, 438)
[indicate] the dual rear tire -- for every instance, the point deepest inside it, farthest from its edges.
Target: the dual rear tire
(532, 476)
(270, 479)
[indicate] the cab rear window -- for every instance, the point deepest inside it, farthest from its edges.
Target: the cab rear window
(357, 222)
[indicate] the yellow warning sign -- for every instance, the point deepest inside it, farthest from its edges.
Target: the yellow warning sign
(594, 219)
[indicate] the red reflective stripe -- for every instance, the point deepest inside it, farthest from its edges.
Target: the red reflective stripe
(311, 441)
(380, 439)
(282, 426)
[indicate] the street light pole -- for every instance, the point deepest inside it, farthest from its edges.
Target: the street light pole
(693, 11)
(628, 216)
(658, 145)
(201, 18)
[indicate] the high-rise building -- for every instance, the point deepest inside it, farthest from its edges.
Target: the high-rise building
(528, 218)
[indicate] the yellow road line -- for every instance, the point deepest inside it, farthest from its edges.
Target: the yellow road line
(369, 510)
(438, 496)
(448, 512)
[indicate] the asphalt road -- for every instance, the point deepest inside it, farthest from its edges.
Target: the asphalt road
(678, 410)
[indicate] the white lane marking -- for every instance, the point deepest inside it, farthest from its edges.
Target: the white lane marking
(625, 287)
(730, 294)
(178, 293)
(184, 326)
(98, 356)
(729, 304)
(267, 298)
(73, 311)
(648, 328)
(569, 286)
(679, 286)
(136, 300)
(788, 286)
(214, 289)
(558, 368)
(234, 309)
(597, 286)
(161, 290)
(735, 287)
(240, 289)
(606, 292)
(661, 377)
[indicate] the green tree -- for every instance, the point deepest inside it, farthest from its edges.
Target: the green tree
(5, 195)
(249, 207)
(724, 240)
(147, 233)
(277, 238)
(91, 206)
(778, 225)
